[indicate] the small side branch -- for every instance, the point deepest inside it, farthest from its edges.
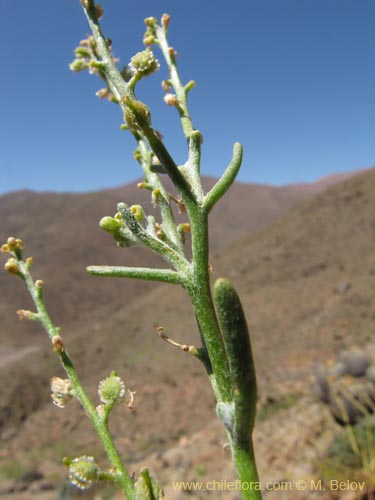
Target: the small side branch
(199, 352)
(140, 273)
(227, 179)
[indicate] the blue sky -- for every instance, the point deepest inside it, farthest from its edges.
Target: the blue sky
(293, 80)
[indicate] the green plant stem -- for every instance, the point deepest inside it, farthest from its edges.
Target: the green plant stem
(244, 460)
(226, 180)
(101, 427)
(140, 273)
(201, 298)
(181, 91)
(169, 225)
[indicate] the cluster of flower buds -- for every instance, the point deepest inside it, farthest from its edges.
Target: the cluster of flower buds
(87, 57)
(14, 247)
(152, 23)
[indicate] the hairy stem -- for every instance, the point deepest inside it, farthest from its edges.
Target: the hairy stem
(122, 477)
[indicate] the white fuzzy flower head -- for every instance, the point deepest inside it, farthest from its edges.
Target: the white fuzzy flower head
(111, 390)
(61, 391)
(144, 63)
(83, 472)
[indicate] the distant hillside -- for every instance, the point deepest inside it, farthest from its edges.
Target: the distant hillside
(306, 281)
(62, 234)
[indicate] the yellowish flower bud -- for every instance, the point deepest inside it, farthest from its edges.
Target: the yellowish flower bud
(5, 248)
(155, 197)
(20, 244)
(12, 266)
(110, 224)
(151, 22)
(149, 40)
(184, 228)
(12, 243)
(137, 211)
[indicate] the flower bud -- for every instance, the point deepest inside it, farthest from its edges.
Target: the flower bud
(170, 99)
(183, 228)
(166, 86)
(78, 65)
(165, 20)
(12, 266)
(20, 244)
(149, 40)
(151, 22)
(172, 53)
(82, 52)
(137, 211)
(155, 195)
(83, 472)
(22, 314)
(111, 390)
(61, 391)
(159, 231)
(5, 248)
(99, 11)
(110, 224)
(58, 343)
(102, 93)
(12, 243)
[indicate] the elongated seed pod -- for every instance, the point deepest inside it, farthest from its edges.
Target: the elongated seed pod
(237, 345)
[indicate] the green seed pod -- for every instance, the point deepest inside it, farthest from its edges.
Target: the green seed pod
(238, 349)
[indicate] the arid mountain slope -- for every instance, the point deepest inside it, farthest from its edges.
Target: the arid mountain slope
(306, 282)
